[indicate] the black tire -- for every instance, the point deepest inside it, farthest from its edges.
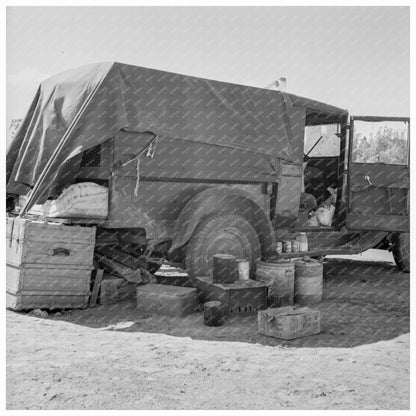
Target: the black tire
(221, 234)
(401, 251)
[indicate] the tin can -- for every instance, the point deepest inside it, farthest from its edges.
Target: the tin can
(243, 269)
(287, 246)
(302, 240)
(279, 247)
(295, 246)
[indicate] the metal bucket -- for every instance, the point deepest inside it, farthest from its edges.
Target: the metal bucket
(279, 276)
(308, 282)
(213, 313)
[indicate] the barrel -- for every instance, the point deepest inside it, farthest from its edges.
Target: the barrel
(279, 276)
(308, 281)
(213, 313)
(225, 269)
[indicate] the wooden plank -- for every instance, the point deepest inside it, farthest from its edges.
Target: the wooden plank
(119, 256)
(77, 235)
(58, 293)
(97, 283)
(131, 275)
(47, 266)
(46, 280)
(33, 300)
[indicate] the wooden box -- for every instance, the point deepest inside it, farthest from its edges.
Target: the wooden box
(43, 300)
(48, 264)
(289, 322)
(166, 300)
(239, 298)
(35, 242)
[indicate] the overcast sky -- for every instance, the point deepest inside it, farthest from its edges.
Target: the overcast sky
(355, 58)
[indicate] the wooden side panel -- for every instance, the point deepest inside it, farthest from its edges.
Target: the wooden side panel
(55, 253)
(20, 228)
(378, 222)
(35, 242)
(15, 228)
(14, 251)
(47, 280)
(47, 231)
(32, 300)
(13, 278)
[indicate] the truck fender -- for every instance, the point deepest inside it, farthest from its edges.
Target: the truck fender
(218, 200)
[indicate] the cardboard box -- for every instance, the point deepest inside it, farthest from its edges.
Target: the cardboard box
(289, 322)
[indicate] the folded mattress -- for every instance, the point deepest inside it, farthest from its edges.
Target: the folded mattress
(80, 200)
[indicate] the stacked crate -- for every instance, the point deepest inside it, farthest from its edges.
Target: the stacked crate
(48, 264)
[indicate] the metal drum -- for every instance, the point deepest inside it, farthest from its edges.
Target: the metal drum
(279, 276)
(213, 313)
(224, 268)
(308, 282)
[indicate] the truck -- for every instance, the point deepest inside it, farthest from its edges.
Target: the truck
(196, 167)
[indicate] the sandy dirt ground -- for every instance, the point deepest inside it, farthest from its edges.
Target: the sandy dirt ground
(110, 357)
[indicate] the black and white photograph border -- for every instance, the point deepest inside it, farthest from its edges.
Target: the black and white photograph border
(208, 206)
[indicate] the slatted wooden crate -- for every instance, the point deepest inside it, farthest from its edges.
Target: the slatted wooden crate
(289, 322)
(48, 264)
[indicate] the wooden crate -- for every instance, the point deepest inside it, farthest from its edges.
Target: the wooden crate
(289, 322)
(48, 264)
(35, 242)
(166, 300)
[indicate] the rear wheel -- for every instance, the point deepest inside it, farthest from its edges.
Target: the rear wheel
(221, 234)
(401, 251)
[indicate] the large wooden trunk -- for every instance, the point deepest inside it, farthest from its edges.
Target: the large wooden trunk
(48, 264)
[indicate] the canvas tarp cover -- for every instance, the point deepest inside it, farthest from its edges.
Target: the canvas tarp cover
(94, 102)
